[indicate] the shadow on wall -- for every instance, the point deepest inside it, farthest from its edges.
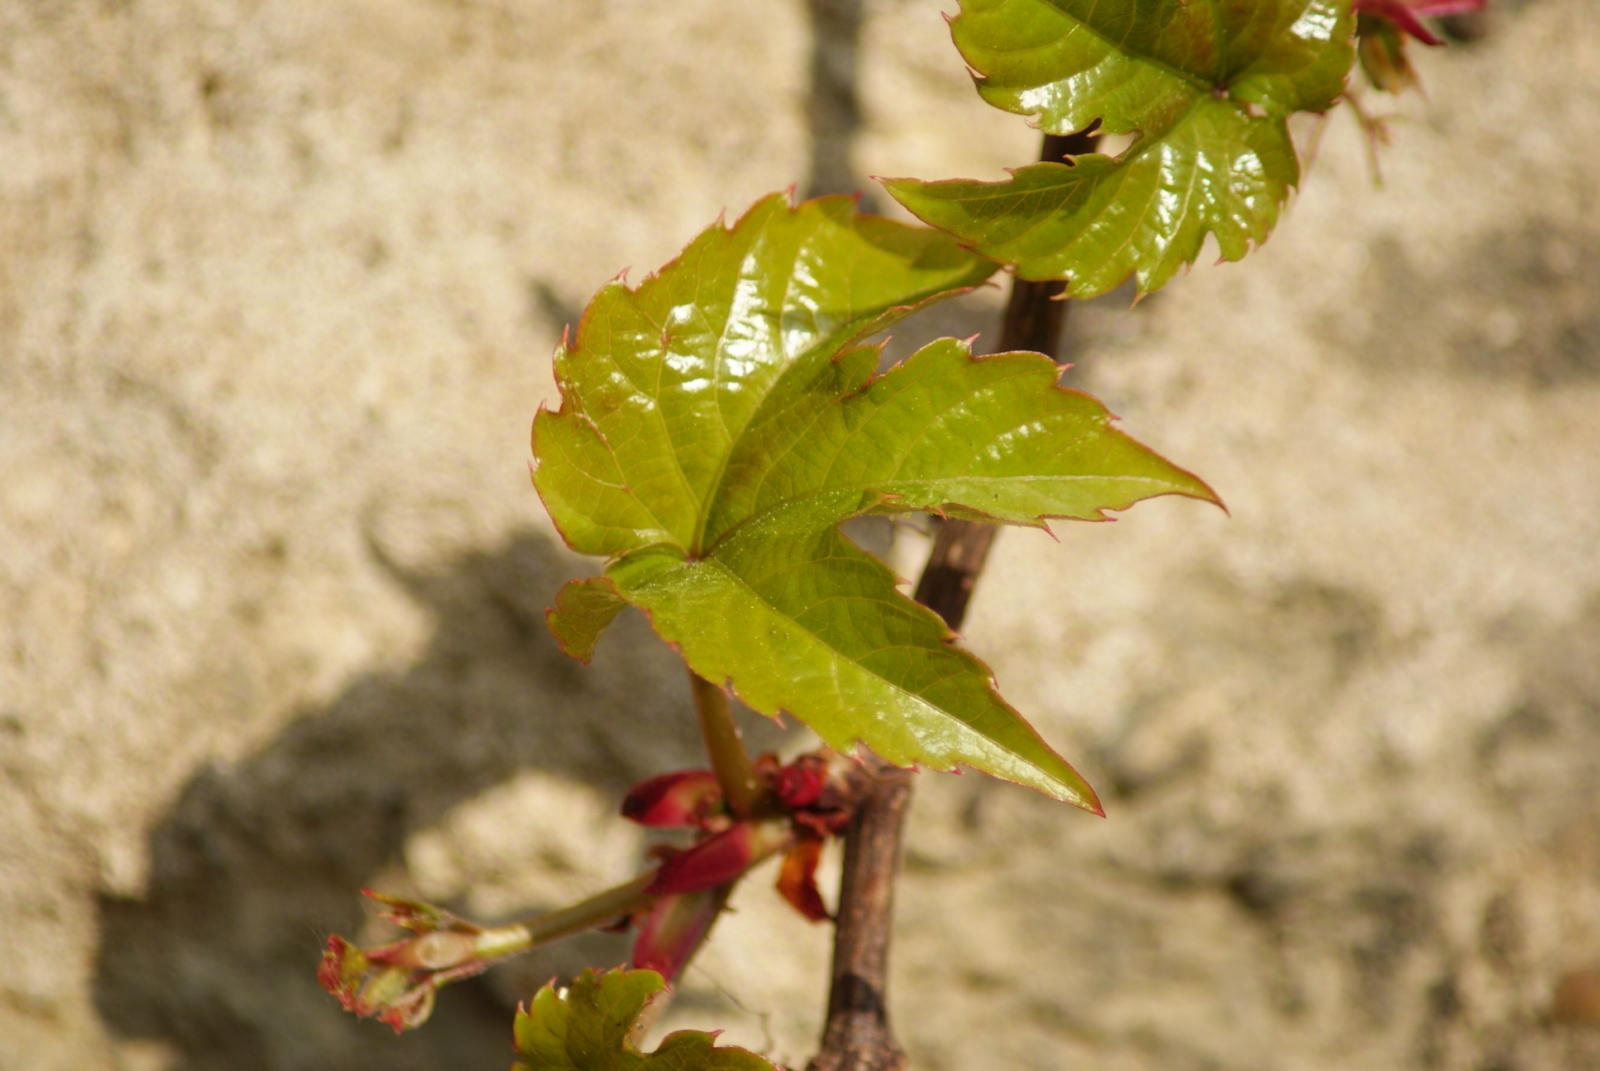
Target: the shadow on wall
(255, 865)
(1514, 306)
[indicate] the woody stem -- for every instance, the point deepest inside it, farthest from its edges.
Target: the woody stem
(856, 1036)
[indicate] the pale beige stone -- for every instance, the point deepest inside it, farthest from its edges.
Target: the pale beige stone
(278, 287)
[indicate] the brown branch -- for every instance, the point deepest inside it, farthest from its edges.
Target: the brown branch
(856, 1036)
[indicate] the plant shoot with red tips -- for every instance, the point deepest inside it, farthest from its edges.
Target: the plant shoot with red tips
(719, 422)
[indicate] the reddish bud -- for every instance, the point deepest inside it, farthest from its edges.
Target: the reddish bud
(1401, 14)
(428, 952)
(687, 798)
(418, 916)
(371, 986)
(715, 861)
(720, 858)
(820, 790)
(822, 823)
(409, 1011)
(396, 983)
(1440, 8)
(341, 970)
(797, 881)
(1382, 27)
(673, 930)
(799, 784)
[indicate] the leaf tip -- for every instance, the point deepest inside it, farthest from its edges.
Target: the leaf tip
(1203, 492)
(574, 653)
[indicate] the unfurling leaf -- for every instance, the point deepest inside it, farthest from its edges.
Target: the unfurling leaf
(1381, 47)
(797, 880)
(1207, 87)
(721, 857)
(396, 983)
(821, 790)
(582, 611)
(686, 799)
(1382, 27)
(716, 427)
(595, 1024)
(671, 931)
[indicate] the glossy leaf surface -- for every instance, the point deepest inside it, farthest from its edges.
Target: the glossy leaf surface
(592, 1026)
(744, 570)
(1207, 85)
(666, 377)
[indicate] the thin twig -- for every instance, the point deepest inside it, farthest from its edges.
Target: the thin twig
(856, 1036)
(597, 910)
(603, 908)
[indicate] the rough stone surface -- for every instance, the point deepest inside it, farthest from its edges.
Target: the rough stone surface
(278, 284)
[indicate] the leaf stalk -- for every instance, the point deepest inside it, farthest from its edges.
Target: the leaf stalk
(742, 789)
(597, 910)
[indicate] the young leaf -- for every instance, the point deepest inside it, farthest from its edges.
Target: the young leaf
(1382, 27)
(799, 619)
(1207, 85)
(735, 553)
(664, 378)
(593, 1026)
(582, 611)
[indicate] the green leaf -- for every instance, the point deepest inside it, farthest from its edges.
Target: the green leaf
(1139, 64)
(1206, 84)
(1100, 220)
(802, 620)
(745, 570)
(664, 378)
(582, 611)
(989, 438)
(592, 1026)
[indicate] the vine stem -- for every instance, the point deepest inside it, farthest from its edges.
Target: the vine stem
(597, 910)
(512, 939)
(856, 1035)
(736, 773)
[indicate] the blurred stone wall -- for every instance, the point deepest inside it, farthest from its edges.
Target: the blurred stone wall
(278, 286)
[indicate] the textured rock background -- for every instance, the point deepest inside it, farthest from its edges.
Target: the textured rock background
(278, 284)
